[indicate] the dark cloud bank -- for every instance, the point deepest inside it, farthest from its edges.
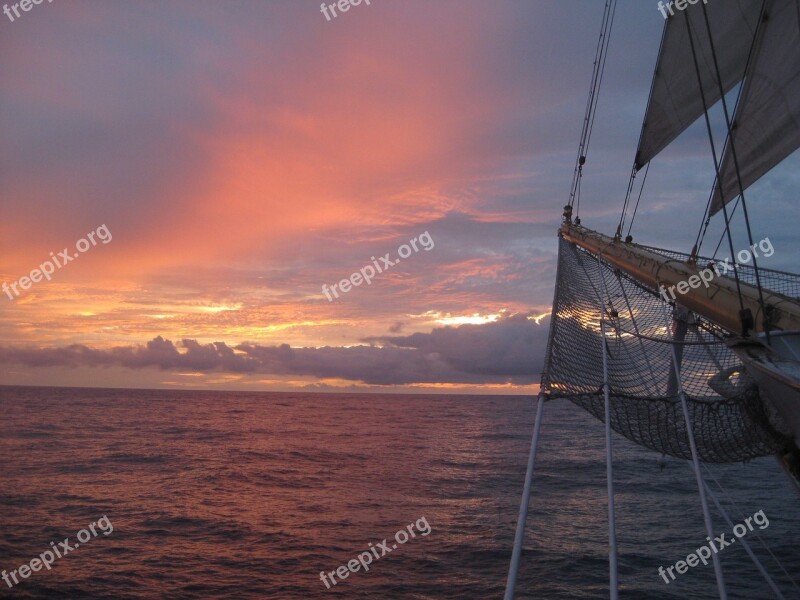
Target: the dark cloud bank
(509, 350)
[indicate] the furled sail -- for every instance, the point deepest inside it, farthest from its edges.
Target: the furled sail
(675, 102)
(767, 123)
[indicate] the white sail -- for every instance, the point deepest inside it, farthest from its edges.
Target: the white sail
(767, 124)
(675, 102)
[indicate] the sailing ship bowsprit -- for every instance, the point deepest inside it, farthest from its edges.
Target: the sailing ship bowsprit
(711, 374)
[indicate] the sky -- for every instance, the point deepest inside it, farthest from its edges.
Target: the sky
(231, 159)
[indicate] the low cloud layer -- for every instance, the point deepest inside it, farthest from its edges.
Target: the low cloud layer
(509, 350)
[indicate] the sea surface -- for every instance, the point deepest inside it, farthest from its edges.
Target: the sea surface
(251, 495)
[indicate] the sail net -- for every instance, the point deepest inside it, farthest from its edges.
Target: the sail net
(643, 339)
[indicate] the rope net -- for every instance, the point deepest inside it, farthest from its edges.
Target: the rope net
(777, 282)
(729, 420)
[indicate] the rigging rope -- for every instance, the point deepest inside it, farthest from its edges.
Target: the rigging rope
(745, 545)
(729, 124)
(760, 539)
(628, 193)
(716, 161)
(519, 536)
(598, 71)
(723, 594)
(750, 55)
(641, 137)
(612, 529)
(722, 236)
(701, 233)
(636, 208)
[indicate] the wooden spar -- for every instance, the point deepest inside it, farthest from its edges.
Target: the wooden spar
(718, 301)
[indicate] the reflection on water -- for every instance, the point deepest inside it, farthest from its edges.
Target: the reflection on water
(220, 494)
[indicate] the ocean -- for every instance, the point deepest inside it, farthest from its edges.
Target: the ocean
(251, 495)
